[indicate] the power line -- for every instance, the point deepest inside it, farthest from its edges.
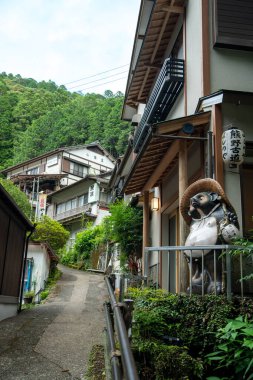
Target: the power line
(97, 80)
(101, 84)
(95, 75)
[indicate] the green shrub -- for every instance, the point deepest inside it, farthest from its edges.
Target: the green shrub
(50, 231)
(44, 294)
(161, 319)
(234, 350)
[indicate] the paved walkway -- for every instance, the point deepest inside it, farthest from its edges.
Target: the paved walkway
(52, 341)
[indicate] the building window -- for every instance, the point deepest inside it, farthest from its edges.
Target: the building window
(71, 204)
(33, 171)
(78, 169)
(60, 208)
(68, 205)
(91, 190)
(232, 24)
(82, 200)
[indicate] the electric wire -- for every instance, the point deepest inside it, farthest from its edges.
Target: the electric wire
(97, 80)
(95, 75)
(101, 84)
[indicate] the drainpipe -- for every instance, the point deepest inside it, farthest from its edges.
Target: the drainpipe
(23, 274)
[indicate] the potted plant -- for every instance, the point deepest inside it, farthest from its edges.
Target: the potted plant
(28, 296)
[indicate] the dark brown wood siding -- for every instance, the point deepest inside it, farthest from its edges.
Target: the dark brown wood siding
(65, 165)
(13, 260)
(233, 24)
(247, 199)
(4, 227)
(42, 168)
(13, 227)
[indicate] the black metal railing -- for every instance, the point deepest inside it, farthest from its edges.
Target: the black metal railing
(118, 316)
(169, 83)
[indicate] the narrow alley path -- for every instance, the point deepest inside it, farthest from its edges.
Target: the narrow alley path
(52, 341)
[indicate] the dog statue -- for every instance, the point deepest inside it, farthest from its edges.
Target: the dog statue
(212, 221)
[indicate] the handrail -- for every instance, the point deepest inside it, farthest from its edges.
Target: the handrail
(227, 248)
(116, 373)
(126, 353)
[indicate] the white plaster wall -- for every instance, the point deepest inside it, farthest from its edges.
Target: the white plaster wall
(194, 54)
(231, 70)
(101, 215)
(94, 208)
(93, 156)
(178, 108)
(95, 196)
(56, 167)
(41, 265)
(8, 310)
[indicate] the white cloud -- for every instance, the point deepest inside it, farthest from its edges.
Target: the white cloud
(64, 40)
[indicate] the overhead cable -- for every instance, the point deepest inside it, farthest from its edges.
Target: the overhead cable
(95, 75)
(97, 85)
(97, 80)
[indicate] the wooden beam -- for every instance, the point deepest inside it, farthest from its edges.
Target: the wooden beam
(183, 181)
(205, 49)
(172, 9)
(217, 134)
(161, 32)
(152, 66)
(176, 125)
(145, 225)
(164, 163)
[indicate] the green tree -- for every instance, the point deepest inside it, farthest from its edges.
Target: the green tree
(19, 197)
(124, 226)
(51, 231)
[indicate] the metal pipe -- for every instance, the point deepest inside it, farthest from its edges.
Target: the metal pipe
(23, 271)
(228, 272)
(190, 272)
(116, 371)
(210, 154)
(241, 274)
(214, 271)
(173, 137)
(203, 289)
(126, 353)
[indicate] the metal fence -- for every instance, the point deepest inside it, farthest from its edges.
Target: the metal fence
(229, 271)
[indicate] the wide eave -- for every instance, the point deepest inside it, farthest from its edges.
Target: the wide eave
(160, 154)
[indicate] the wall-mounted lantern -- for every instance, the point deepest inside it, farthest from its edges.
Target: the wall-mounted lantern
(155, 204)
(233, 146)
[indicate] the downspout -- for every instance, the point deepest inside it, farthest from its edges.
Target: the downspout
(24, 265)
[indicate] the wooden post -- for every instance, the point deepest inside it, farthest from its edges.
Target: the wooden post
(217, 133)
(183, 182)
(145, 242)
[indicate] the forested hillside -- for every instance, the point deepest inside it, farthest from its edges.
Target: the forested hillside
(36, 117)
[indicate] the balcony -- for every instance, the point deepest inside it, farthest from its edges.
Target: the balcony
(74, 213)
(169, 83)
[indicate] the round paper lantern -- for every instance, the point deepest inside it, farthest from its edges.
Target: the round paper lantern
(233, 146)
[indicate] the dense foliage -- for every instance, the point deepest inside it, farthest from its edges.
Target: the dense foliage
(122, 226)
(52, 232)
(18, 196)
(87, 244)
(37, 117)
(189, 327)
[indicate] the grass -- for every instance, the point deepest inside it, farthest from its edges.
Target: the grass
(96, 364)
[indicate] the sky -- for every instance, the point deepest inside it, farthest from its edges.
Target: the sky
(69, 41)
